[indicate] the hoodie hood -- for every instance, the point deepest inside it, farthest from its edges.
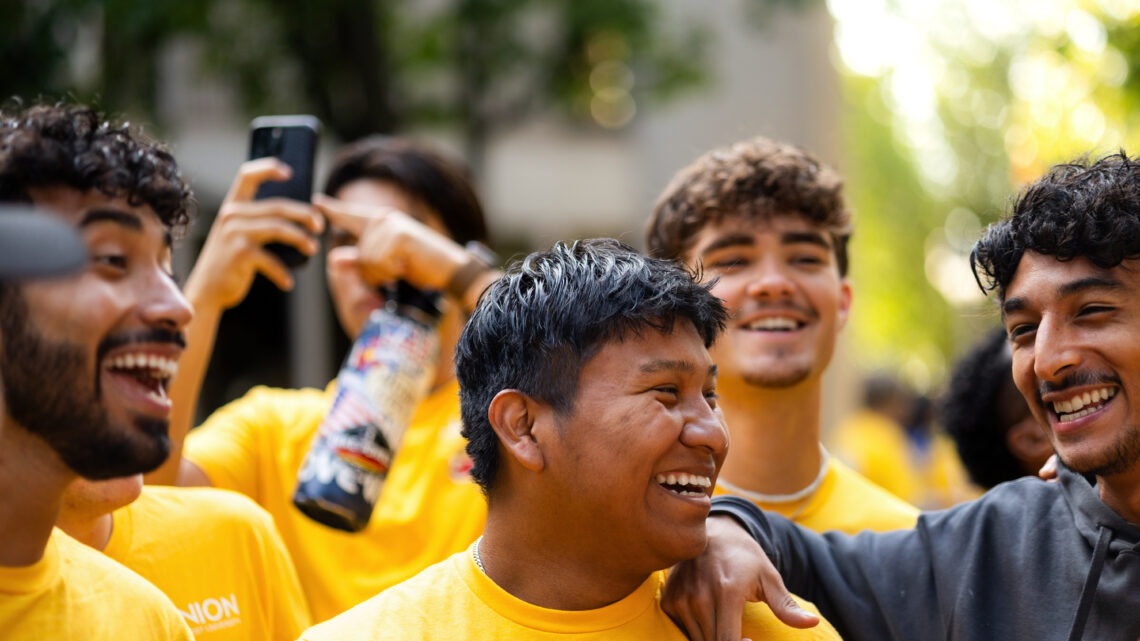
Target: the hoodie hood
(1092, 514)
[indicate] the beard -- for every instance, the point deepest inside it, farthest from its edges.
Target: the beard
(1121, 456)
(51, 393)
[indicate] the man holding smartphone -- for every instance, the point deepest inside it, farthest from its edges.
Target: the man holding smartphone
(397, 210)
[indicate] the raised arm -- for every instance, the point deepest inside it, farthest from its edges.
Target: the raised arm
(231, 257)
(392, 245)
(873, 586)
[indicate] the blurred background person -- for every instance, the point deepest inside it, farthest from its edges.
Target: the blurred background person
(997, 438)
(894, 440)
(765, 223)
(397, 210)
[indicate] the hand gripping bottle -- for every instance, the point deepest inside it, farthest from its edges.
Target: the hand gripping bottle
(387, 373)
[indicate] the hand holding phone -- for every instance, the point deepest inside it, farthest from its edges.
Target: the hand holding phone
(293, 140)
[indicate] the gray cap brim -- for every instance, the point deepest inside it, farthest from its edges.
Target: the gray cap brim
(35, 244)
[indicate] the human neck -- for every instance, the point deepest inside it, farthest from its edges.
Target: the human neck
(450, 326)
(519, 558)
(32, 482)
(1121, 492)
(774, 435)
(94, 531)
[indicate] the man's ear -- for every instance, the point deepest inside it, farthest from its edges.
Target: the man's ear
(844, 302)
(512, 415)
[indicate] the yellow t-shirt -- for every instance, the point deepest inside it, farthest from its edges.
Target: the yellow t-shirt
(845, 501)
(217, 555)
(74, 592)
(428, 509)
(879, 449)
(454, 600)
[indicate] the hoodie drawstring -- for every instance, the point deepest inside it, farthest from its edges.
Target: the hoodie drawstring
(1089, 590)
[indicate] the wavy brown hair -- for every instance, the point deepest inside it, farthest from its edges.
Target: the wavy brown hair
(758, 179)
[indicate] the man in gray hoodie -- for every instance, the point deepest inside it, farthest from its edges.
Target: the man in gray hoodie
(1029, 560)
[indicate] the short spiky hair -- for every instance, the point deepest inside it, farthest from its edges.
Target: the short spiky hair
(758, 179)
(537, 326)
(1078, 209)
(73, 146)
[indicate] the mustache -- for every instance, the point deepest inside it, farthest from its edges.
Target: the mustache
(1077, 379)
(153, 335)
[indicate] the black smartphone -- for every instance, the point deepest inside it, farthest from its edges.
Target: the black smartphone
(293, 140)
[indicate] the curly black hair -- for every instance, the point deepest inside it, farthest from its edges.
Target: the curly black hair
(758, 179)
(973, 412)
(1076, 209)
(537, 326)
(74, 146)
(427, 176)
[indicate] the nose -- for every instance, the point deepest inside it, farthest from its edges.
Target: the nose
(769, 280)
(1054, 351)
(705, 428)
(163, 304)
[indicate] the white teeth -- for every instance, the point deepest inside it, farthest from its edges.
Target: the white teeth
(686, 480)
(157, 366)
(1075, 407)
(774, 323)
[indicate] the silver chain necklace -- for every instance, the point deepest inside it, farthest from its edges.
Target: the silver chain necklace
(475, 555)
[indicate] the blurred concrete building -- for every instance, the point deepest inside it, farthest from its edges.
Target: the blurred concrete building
(549, 178)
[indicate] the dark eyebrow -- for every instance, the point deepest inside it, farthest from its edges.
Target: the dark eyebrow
(117, 216)
(664, 365)
(813, 237)
(127, 219)
(1092, 282)
(731, 240)
(1068, 289)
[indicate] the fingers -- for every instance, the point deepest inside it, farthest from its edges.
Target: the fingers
(254, 172)
(274, 270)
(690, 624)
(276, 208)
(1048, 471)
(781, 602)
(725, 615)
(351, 217)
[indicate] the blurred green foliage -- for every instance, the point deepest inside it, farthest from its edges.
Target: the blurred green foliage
(950, 107)
(363, 66)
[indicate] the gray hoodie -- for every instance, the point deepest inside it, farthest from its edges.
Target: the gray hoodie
(1029, 560)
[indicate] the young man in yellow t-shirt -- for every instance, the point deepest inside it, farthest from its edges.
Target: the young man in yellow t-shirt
(84, 362)
(766, 224)
(216, 554)
(590, 408)
(400, 211)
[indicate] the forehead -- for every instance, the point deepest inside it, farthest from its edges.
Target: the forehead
(1040, 279)
(648, 350)
(73, 206)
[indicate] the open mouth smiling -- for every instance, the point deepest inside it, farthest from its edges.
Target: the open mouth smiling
(1081, 405)
(151, 371)
(774, 324)
(685, 484)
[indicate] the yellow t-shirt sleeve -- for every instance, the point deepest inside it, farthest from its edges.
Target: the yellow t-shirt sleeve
(230, 445)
